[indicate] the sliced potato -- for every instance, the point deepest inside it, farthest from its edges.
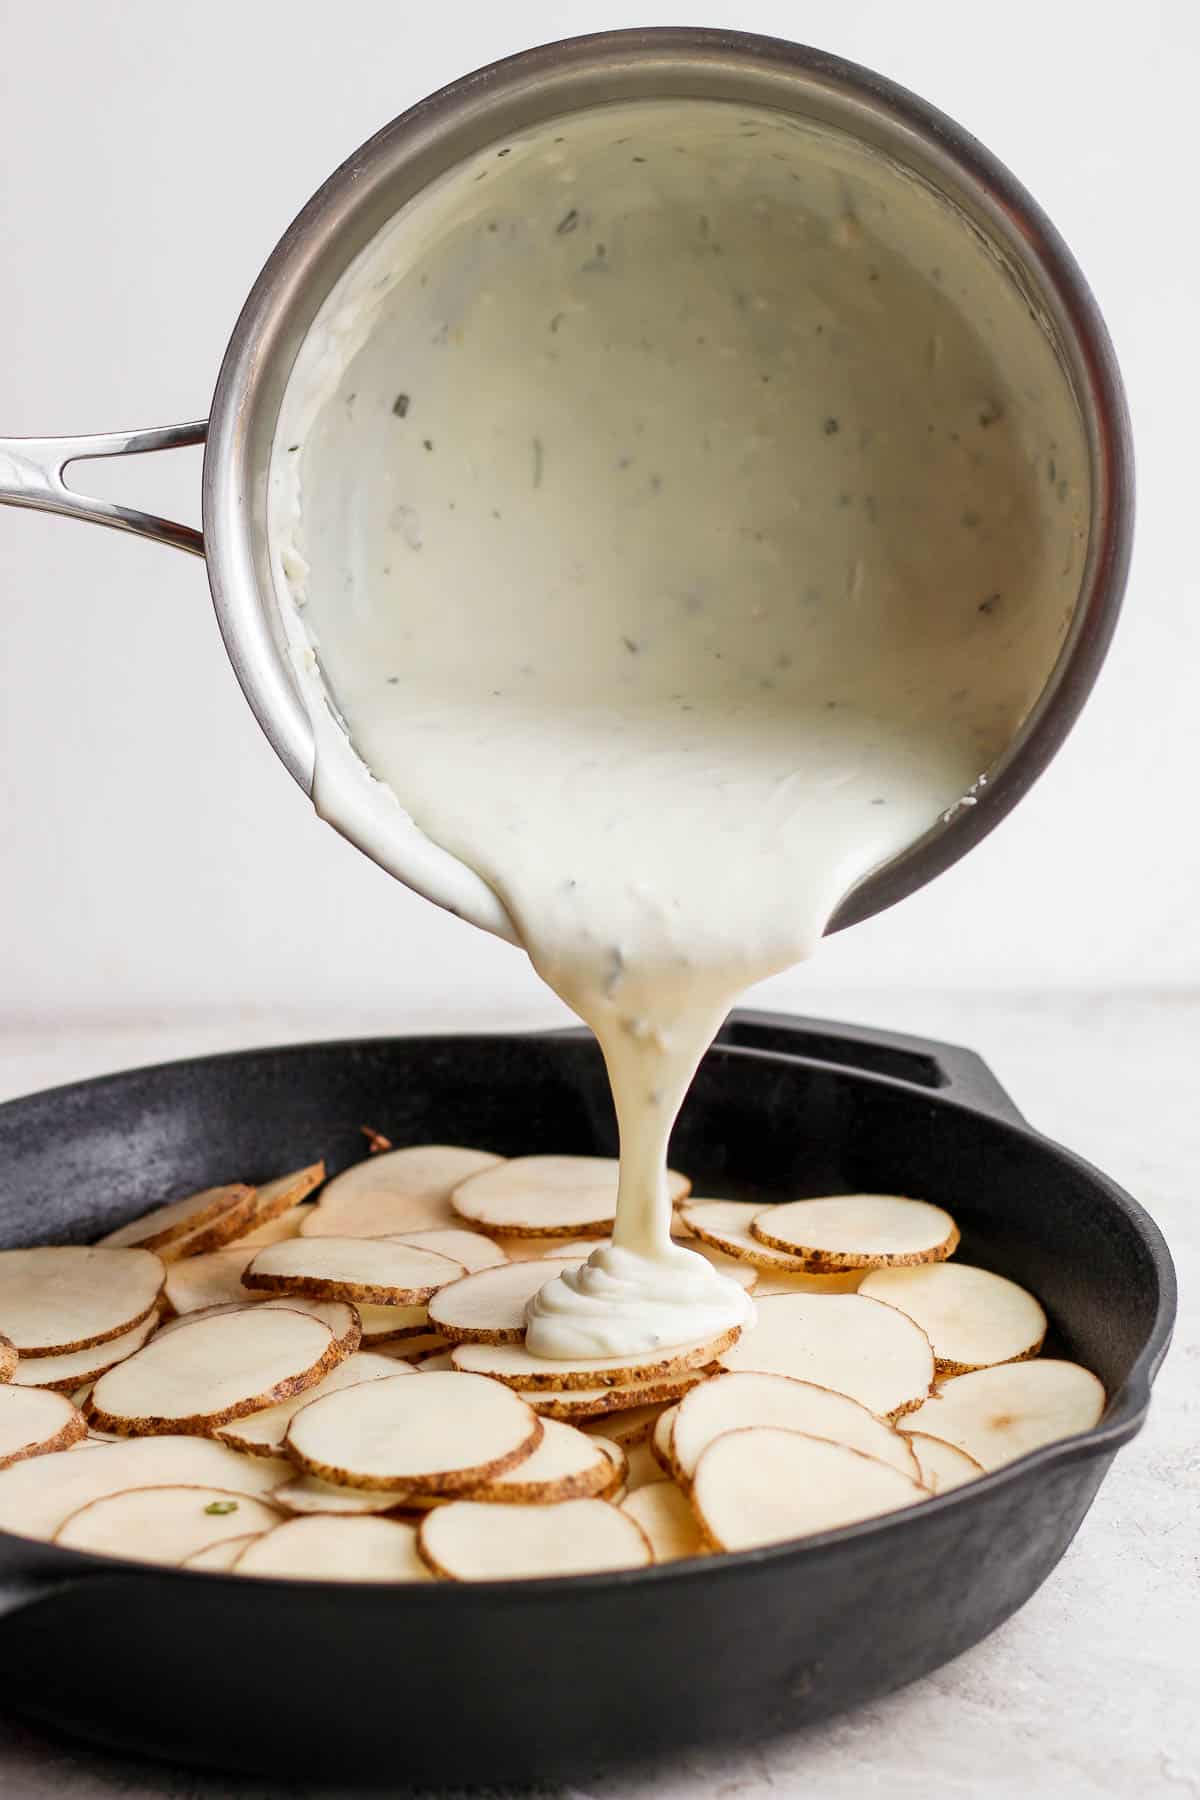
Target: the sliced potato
(379, 1271)
(410, 1347)
(214, 1370)
(305, 1494)
(788, 1281)
(565, 1466)
(841, 1341)
(575, 1404)
(398, 1191)
(201, 1282)
(971, 1317)
(725, 1226)
(513, 1364)
(8, 1359)
(618, 1461)
(732, 1402)
(279, 1199)
(64, 1374)
(633, 1426)
(37, 1495)
(262, 1433)
(277, 1230)
(662, 1439)
(548, 1196)
(744, 1273)
(489, 1307)
(528, 1249)
(331, 1549)
(470, 1248)
(165, 1225)
(33, 1423)
(1000, 1413)
(163, 1524)
(942, 1465)
(442, 1434)
(766, 1486)
(433, 1362)
(858, 1231)
(666, 1520)
(386, 1324)
(67, 1297)
(469, 1541)
(220, 1556)
(641, 1469)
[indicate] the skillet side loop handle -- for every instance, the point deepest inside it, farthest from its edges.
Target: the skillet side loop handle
(33, 473)
(922, 1063)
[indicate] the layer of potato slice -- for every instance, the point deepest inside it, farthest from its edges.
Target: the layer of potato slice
(201, 1282)
(341, 1318)
(60, 1298)
(185, 1217)
(735, 1401)
(214, 1370)
(469, 1541)
(666, 1520)
(470, 1248)
(63, 1374)
(858, 1231)
(641, 1468)
(221, 1556)
(565, 1466)
(163, 1524)
(548, 1196)
(442, 1434)
(34, 1423)
(943, 1466)
(662, 1440)
(332, 1549)
(1000, 1413)
(725, 1226)
(575, 1404)
(790, 1281)
(305, 1494)
(629, 1427)
(764, 1485)
(971, 1317)
(517, 1368)
(618, 1461)
(277, 1200)
(433, 1362)
(858, 1347)
(277, 1230)
(386, 1324)
(262, 1433)
(379, 1271)
(397, 1191)
(489, 1307)
(37, 1495)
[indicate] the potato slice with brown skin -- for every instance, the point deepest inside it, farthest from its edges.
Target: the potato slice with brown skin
(305, 1494)
(548, 1196)
(470, 1248)
(443, 1434)
(943, 1466)
(575, 1404)
(219, 1558)
(725, 1226)
(662, 1440)
(8, 1359)
(33, 1423)
(37, 1495)
(274, 1200)
(60, 1298)
(163, 1524)
(642, 1468)
(276, 1231)
(513, 1364)
(332, 1549)
(731, 1402)
(433, 1362)
(767, 1486)
(858, 1231)
(341, 1317)
(618, 1461)
(565, 1466)
(1000, 1413)
(182, 1218)
(379, 1271)
(63, 1374)
(630, 1427)
(489, 1307)
(467, 1541)
(263, 1433)
(212, 1371)
(396, 1191)
(841, 1341)
(666, 1520)
(202, 1282)
(410, 1347)
(971, 1317)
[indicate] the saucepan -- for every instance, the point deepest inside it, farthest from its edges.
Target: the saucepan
(376, 198)
(552, 1679)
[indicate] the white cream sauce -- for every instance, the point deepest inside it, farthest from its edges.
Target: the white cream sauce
(686, 513)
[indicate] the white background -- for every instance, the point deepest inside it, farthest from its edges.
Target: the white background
(157, 860)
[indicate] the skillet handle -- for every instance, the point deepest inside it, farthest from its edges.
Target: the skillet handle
(33, 473)
(920, 1062)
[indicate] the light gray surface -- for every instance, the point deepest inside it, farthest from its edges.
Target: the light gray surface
(1093, 1691)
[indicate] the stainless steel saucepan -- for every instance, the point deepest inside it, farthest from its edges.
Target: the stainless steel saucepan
(420, 148)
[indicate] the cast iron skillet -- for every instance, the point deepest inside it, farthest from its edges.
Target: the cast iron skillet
(549, 1679)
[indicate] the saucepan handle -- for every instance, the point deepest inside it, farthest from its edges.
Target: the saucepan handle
(33, 473)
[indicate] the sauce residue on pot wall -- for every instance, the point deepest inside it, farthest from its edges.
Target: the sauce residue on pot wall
(685, 514)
